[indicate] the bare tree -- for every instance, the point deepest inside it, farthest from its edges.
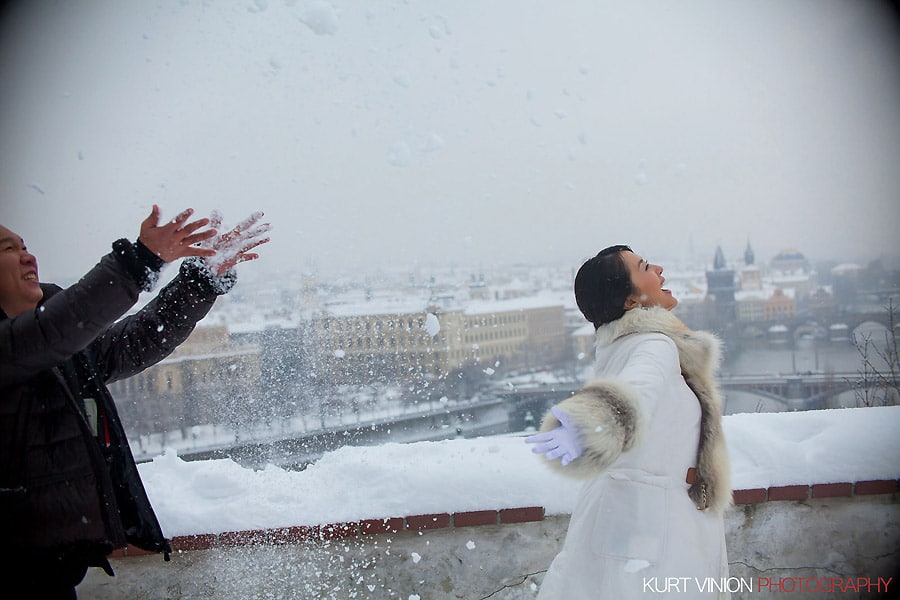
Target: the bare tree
(879, 373)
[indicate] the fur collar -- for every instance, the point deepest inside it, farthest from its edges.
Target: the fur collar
(698, 351)
(699, 354)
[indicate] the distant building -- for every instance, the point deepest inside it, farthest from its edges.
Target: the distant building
(583, 340)
(848, 278)
(790, 270)
(790, 261)
(750, 305)
(387, 345)
(749, 275)
(778, 335)
(374, 343)
(821, 302)
(186, 388)
(478, 289)
(780, 305)
(720, 288)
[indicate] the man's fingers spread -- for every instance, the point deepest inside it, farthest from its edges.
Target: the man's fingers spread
(215, 218)
(249, 221)
(259, 230)
(183, 216)
(199, 237)
(195, 225)
(253, 244)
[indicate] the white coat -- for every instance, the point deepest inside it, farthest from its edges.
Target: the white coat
(652, 412)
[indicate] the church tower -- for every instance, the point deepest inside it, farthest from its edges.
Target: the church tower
(720, 291)
(749, 273)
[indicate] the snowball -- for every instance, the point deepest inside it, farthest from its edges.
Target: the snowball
(321, 18)
(430, 142)
(432, 325)
(635, 565)
(402, 79)
(399, 154)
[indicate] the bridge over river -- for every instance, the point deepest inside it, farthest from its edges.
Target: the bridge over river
(297, 441)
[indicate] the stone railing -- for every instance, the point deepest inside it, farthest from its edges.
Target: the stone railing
(835, 540)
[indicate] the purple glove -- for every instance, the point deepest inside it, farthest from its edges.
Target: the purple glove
(560, 442)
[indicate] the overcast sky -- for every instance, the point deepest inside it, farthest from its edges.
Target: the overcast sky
(388, 133)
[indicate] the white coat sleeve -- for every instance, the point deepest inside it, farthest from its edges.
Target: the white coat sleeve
(609, 412)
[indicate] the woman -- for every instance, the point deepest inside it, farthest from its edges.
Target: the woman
(647, 436)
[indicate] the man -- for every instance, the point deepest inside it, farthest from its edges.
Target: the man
(70, 492)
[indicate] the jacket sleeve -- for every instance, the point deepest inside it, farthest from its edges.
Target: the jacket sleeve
(150, 335)
(70, 319)
(610, 412)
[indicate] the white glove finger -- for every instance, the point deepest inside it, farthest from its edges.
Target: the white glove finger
(546, 447)
(565, 419)
(545, 436)
(554, 454)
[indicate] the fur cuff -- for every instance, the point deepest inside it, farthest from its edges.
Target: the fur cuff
(608, 420)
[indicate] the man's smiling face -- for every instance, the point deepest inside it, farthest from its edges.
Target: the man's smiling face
(20, 290)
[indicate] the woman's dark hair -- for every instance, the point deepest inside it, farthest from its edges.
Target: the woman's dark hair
(602, 285)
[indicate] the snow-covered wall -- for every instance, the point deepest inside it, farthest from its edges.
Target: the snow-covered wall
(812, 543)
(451, 476)
(816, 498)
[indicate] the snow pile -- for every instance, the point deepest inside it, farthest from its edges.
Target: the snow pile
(817, 446)
(397, 480)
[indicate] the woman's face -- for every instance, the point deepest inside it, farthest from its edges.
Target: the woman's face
(648, 281)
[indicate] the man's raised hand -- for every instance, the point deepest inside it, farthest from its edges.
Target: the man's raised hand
(233, 247)
(176, 239)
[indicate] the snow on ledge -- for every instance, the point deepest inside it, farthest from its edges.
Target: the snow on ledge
(788, 452)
